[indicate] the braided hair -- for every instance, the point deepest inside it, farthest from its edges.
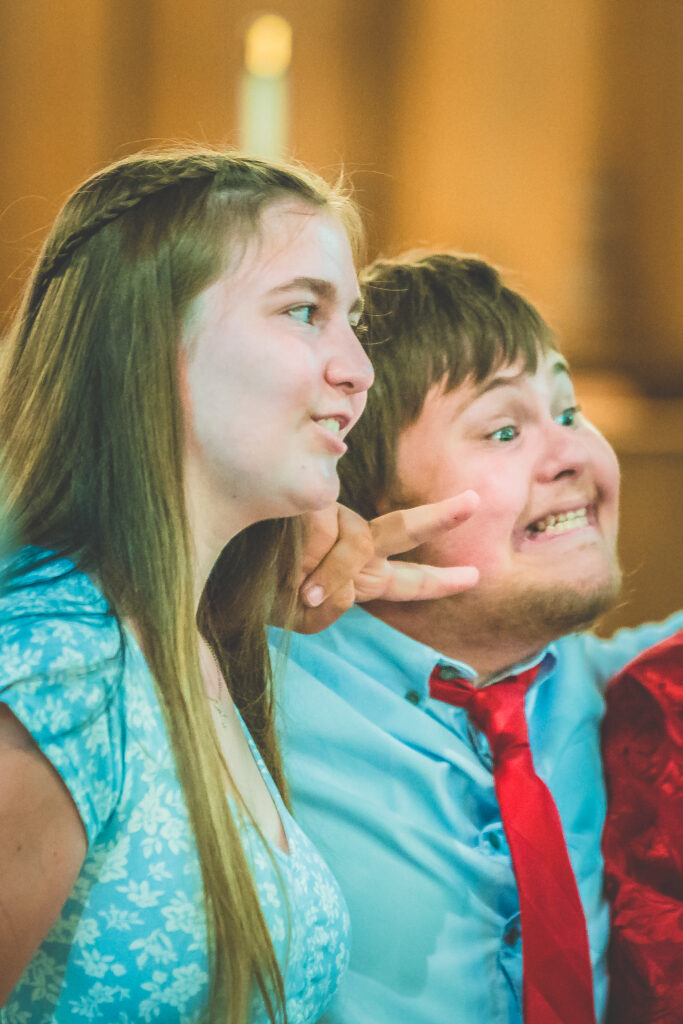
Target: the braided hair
(120, 188)
(92, 450)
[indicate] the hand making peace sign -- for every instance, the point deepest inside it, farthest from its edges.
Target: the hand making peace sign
(346, 559)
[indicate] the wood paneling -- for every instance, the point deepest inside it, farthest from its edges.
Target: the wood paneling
(496, 131)
(52, 112)
(641, 164)
(650, 539)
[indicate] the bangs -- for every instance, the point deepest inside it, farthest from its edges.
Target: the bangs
(511, 335)
(441, 320)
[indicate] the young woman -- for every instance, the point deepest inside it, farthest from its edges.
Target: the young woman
(184, 365)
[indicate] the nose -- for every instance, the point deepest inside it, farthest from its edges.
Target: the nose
(564, 453)
(348, 368)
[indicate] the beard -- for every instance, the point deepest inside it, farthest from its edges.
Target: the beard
(494, 625)
(538, 613)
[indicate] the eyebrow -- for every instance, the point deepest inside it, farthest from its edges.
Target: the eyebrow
(560, 366)
(319, 286)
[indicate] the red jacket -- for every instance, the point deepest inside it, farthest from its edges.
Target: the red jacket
(643, 839)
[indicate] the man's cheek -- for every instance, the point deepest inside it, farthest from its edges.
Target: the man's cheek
(466, 545)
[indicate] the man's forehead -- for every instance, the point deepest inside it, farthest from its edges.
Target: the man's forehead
(515, 374)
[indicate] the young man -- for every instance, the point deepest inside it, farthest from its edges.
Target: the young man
(405, 791)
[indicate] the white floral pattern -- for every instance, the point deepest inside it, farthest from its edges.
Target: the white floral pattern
(130, 944)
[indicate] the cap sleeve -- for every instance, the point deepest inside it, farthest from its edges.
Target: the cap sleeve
(62, 672)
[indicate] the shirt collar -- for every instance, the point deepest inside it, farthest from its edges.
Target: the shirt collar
(545, 659)
(365, 640)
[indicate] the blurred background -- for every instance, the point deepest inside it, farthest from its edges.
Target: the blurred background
(544, 135)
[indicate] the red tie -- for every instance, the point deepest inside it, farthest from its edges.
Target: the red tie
(558, 979)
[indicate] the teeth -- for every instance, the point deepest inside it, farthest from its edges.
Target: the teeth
(332, 425)
(562, 522)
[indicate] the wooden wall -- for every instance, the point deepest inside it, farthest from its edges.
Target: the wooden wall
(544, 135)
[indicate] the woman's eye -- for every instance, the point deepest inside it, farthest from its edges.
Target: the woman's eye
(304, 313)
(506, 433)
(568, 417)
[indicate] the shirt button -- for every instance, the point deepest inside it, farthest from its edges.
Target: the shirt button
(492, 839)
(413, 697)
(512, 936)
(448, 672)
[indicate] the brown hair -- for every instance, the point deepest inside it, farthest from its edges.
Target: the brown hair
(92, 428)
(429, 319)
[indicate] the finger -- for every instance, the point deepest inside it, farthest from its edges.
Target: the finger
(412, 581)
(343, 562)
(313, 620)
(407, 528)
(322, 530)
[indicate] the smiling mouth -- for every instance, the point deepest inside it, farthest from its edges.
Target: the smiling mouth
(331, 424)
(332, 430)
(561, 522)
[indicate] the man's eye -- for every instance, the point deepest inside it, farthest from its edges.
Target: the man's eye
(506, 433)
(305, 313)
(568, 417)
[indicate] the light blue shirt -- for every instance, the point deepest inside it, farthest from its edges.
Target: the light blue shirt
(397, 791)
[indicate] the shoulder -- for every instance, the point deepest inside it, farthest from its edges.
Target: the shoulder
(38, 581)
(356, 637)
(644, 702)
(52, 617)
(311, 669)
(62, 666)
(662, 662)
(603, 658)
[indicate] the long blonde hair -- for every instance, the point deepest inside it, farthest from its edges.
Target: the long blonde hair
(92, 431)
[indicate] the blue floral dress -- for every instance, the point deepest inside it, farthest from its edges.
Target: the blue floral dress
(130, 944)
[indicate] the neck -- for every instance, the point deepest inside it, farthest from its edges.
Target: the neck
(213, 520)
(483, 645)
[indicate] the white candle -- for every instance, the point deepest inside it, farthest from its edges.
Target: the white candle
(264, 92)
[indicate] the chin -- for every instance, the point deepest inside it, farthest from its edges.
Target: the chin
(562, 609)
(570, 610)
(543, 612)
(314, 499)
